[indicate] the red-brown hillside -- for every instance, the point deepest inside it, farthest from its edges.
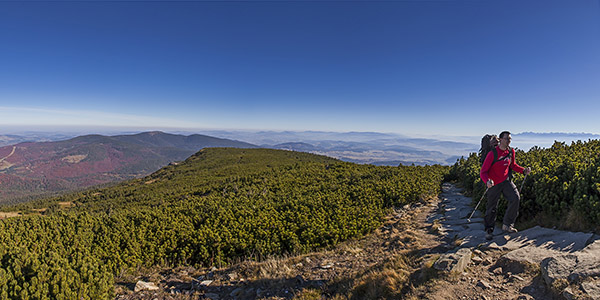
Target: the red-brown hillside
(36, 168)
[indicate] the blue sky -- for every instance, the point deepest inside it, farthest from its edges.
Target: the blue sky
(409, 67)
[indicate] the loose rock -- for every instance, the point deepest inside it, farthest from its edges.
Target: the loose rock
(487, 261)
(145, 286)
(232, 276)
(497, 271)
(568, 294)
(592, 289)
(206, 282)
(516, 277)
(484, 285)
(454, 261)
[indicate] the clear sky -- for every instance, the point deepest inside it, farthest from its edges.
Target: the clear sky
(410, 67)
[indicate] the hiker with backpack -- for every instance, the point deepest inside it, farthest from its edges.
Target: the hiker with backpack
(496, 172)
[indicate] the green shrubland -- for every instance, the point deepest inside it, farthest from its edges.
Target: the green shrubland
(563, 190)
(219, 206)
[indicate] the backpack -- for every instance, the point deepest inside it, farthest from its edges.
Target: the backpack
(489, 143)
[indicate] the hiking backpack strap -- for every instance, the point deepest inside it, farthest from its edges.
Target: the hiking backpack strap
(511, 153)
(495, 152)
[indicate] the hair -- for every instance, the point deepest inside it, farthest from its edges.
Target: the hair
(504, 134)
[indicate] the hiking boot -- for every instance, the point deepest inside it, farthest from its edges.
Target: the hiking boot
(509, 228)
(489, 234)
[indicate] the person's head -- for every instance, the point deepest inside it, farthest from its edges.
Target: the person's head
(505, 139)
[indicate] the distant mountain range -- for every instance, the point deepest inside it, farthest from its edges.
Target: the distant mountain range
(374, 152)
(526, 140)
(361, 147)
(41, 168)
(559, 134)
(12, 139)
(37, 163)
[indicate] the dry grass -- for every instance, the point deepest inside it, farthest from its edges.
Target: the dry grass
(351, 249)
(11, 214)
(458, 242)
(39, 210)
(65, 204)
(269, 269)
(559, 285)
(436, 226)
(74, 158)
(5, 165)
(576, 221)
(274, 269)
(384, 283)
(308, 294)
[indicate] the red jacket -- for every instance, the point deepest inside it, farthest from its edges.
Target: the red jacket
(499, 171)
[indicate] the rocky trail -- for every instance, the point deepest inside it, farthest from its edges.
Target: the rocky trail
(428, 250)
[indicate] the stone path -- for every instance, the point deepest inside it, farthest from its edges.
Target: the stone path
(569, 261)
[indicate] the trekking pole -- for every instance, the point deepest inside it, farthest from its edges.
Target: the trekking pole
(476, 206)
(522, 183)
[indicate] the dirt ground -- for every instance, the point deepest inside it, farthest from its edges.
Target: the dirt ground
(394, 262)
(4, 215)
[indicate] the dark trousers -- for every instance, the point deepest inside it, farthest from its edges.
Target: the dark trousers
(510, 192)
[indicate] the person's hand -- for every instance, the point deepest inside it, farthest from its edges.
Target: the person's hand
(527, 171)
(490, 183)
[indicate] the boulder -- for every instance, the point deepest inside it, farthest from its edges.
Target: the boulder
(579, 268)
(530, 247)
(525, 259)
(559, 267)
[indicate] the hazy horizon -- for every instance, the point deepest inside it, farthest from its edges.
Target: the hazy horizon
(522, 140)
(448, 68)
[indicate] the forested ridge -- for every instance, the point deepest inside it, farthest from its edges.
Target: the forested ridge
(219, 205)
(563, 189)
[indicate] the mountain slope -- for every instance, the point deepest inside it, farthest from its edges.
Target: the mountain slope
(28, 169)
(218, 206)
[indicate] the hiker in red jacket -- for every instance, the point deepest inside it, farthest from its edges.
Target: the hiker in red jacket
(496, 173)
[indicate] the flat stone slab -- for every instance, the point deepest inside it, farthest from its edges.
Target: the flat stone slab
(540, 237)
(594, 245)
(457, 221)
